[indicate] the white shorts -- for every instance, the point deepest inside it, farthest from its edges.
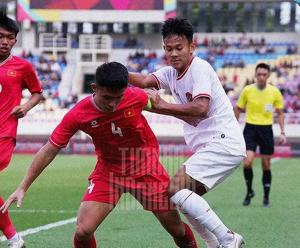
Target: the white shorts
(211, 167)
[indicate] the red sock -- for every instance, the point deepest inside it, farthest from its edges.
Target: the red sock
(188, 240)
(91, 243)
(6, 225)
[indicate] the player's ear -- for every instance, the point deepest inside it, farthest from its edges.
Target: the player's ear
(192, 47)
(94, 87)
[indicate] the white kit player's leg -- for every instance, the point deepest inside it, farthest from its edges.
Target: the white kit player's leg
(208, 237)
(197, 208)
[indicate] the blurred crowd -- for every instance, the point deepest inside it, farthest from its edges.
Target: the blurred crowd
(49, 70)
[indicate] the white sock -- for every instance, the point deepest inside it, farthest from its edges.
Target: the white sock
(208, 237)
(15, 238)
(197, 208)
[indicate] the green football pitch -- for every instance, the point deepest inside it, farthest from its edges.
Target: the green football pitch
(47, 216)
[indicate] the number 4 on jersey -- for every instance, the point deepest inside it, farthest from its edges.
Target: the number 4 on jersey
(116, 130)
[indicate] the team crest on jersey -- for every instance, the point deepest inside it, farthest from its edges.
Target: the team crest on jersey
(11, 73)
(94, 123)
(189, 96)
(129, 113)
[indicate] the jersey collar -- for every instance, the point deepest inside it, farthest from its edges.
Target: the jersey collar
(7, 59)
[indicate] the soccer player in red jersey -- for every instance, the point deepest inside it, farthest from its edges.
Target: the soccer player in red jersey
(127, 152)
(15, 75)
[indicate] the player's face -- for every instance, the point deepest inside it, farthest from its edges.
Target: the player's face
(7, 41)
(262, 76)
(106, 99)
(178, 51)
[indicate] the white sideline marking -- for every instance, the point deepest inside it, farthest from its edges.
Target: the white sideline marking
(43, 211)
(43, 228)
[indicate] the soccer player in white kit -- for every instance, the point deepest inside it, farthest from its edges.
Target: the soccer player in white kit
(210, 130)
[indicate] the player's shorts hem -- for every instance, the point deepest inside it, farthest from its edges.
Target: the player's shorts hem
(211, 168)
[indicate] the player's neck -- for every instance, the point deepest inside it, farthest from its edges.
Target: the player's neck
(185, 68)
(4, 57)
(98, 103)
(261, 87)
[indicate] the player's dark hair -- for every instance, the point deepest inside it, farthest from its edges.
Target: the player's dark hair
(263, 65)
(8, 23)
(112, 75)
(178, 26)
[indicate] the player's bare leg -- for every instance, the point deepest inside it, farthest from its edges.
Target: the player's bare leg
(248, 175)
(266, 178)
(6, 226)
(186, 193)
(181, 232)
(90, 215)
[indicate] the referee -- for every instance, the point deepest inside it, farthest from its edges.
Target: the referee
(259, 100)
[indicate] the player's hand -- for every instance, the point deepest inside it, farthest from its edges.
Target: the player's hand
(282, 139)
(155, 98)
(17, 197)
(19, 111)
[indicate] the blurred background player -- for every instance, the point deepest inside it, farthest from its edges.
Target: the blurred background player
(127, 152)
(15, 74)
(210, 130)
(258, 100)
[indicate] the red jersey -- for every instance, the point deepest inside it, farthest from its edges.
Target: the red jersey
(16, 74)
(124, 143)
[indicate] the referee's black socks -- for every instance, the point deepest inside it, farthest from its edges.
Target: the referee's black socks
(248, 175)
(266, 180)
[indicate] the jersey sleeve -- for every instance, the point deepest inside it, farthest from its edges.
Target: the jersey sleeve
(203, 76)
(278, 103)
(162, 77)
(30, 80)
(65, 130)
(242, 101)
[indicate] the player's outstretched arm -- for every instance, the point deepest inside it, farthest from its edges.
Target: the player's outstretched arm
(198, 108)
(41, 160)
(21, 110)
(142, 81)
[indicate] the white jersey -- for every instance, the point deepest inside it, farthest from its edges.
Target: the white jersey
(220, 128)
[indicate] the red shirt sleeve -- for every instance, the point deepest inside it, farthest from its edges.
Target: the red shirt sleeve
(65, 130)
(30, 80)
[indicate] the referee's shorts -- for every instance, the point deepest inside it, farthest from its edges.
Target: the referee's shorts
(261, 136)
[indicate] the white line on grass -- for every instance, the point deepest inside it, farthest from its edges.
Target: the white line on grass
(44, 211)
(44, 228)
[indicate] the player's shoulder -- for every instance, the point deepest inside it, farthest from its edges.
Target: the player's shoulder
(134, 95)
(82, 105)
(20, 60)
(273, 87)
(249, 87)
(134, 92)
(198, 61)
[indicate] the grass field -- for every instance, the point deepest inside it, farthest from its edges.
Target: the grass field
(56, 195)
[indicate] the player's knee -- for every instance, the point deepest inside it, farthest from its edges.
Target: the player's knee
(247, 163)
(82, 232)
(179, 231)
(180, 196)
(174, 186)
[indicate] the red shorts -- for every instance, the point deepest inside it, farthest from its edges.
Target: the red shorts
(7, 146)
(150, 189)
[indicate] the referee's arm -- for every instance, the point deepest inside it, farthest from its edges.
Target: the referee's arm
(237, 112)
(280, 116)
